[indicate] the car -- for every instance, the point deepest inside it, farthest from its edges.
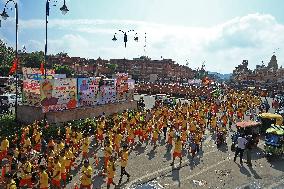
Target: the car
(160, 96)
(11, 98)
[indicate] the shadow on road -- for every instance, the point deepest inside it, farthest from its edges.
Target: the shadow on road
(256, 153)
(168, 154)
(244, 171)
(139, 149)
(223, 148)
(175, 176)
(152, 153)
(255, 175)
(277, 163)
(98, 181)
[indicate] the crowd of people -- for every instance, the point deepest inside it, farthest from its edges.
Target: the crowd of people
(32, 161)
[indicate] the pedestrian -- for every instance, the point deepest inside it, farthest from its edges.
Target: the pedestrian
(10, 183)
(177, 151)
(85, 146)
(165, 129)
(56, 177)
(62, 161)
(86, 179)
(26, 177)
(124, 159)
(43, 178)
(107, 153)
(110, 172)
(241, 145)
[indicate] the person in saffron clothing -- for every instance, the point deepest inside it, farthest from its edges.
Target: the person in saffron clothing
(56, 174)
(43, 178)
(177, 151)
(72, 102)
(86, 179)
(47, 88)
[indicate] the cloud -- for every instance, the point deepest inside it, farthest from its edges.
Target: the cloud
(223, 46)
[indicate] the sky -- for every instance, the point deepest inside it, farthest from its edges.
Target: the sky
(220, 33)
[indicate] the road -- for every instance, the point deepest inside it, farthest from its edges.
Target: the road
(212, 168)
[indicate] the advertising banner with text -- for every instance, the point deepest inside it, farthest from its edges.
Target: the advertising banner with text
(88, 89)
(31, 92)
(121, 86)
(58, 94)
(107, 93)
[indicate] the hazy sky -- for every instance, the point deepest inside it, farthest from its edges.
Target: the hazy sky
(220, 32)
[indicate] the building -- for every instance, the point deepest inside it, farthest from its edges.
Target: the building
(262, 74)
(81, 66)
(142, 68)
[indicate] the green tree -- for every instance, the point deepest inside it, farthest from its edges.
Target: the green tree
(32, 60)
(6, 58)
(63, 69)
(4, 69)
(112, 67)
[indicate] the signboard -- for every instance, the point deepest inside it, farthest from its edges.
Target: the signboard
(58, 94)
(107, 92)
(35, 73)
(31, 92)
(88, 89)
(121, 86)
(194, 81)
(131, 87)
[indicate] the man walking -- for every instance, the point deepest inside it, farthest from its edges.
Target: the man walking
(124, 158)
(240, 148)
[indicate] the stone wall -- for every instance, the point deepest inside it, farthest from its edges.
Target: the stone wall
(28, 114)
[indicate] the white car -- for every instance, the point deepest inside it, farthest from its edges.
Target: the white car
(12, 99)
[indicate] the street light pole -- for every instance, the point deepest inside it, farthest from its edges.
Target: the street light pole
(4, 15)
(64, 10)
(45, 47)
(125, 37)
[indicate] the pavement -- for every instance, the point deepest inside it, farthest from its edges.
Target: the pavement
(212, 168)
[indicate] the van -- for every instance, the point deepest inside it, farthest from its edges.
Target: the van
(11, 98)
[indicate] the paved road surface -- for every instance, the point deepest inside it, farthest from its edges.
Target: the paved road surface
(213, 168)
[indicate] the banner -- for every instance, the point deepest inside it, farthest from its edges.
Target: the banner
(58, 94)
(131, 87)
(88, 91)
(31, 92)
(131, 84)
(107, 92)
(121, 86)
(194, 81)
(35, 73)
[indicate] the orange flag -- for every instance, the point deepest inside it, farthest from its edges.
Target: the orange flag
(14, 66)
(42, 69)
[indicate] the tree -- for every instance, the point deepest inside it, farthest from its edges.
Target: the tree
(4, 70)
(112, 67)
(63, 69)
(62, 54)
(32, 60)
(6, 58)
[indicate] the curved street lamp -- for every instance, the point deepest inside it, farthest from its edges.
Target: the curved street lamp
(4, 16)
(64, 10)
(125, 36)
